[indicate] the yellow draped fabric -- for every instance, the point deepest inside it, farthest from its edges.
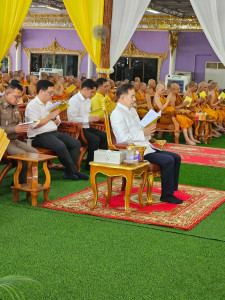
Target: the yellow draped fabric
(12, 15)
(85, 15)
(4, 141)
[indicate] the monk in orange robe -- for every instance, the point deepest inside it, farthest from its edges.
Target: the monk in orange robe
(32, 88)
(60, 94)
(5, 81)
(168, 106)
(214, 103)
(22, 80)
(151, 87)
(143, 101)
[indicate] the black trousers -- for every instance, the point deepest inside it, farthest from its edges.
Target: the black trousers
(96, 140)
(169, 163)
(65, 146)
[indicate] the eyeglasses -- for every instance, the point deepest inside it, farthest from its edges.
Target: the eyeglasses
(50, 93)
(16, 97)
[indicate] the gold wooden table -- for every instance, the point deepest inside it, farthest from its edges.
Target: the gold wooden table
(124, 170)
(203, 130)
(32, 186)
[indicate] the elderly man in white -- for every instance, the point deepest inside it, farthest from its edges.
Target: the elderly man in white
(126, 127)
(79, 111)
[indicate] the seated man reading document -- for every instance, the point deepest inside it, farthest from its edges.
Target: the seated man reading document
(10, 122)
(127, 129)
(44, 132)
(79, 111)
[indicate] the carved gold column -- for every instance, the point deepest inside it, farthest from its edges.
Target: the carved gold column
(173, 35)
(18, 46)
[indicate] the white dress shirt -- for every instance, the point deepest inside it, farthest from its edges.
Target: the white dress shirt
(127, 129)
(35, 111)
(79, 109)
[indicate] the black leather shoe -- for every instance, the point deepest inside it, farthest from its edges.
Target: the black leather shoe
(170, 199)
(82, 176)
(70, 177)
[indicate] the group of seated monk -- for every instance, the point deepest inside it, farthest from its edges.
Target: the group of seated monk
(126, 102)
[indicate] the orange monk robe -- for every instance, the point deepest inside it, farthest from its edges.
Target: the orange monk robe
(220, 112)
(143, 109)
(191, 115)
(169, 110)
(2, 88)
(205, 108)
(183, 121)
(65, 96)
(111, 95)
(24, 83)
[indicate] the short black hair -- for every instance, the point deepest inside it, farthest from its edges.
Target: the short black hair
(100, 82)
(123, 89)
(14, 85)
(43, 85)
(89, 84)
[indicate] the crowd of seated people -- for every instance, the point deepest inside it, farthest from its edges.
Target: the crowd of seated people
(85, 96)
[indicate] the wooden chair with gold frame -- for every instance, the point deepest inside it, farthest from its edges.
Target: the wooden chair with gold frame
(153, 169)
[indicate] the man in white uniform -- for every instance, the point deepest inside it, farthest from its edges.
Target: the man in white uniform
(44, 132)
(79, 111)
(127, 129)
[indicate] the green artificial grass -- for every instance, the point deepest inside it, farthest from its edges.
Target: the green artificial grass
(76, 256)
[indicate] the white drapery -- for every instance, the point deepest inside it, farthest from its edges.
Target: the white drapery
(210, 14)
(126, 15)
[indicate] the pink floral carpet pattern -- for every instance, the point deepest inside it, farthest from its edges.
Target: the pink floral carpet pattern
(197, 155)
(198, 203)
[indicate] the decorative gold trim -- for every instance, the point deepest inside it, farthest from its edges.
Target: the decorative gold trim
(48, 21)
(55, 48)
(148, 22)
(162, 23)
(132, 51)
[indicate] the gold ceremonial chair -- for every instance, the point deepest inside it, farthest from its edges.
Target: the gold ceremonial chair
(153, 169)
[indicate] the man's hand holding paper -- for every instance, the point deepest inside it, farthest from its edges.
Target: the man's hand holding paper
(53, 114)
(150, 130)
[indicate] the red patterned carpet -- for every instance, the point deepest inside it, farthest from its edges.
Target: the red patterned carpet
(198, 203)
(195, 155)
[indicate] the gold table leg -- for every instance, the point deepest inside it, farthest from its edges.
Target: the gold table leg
(93, 180)
(109, 193)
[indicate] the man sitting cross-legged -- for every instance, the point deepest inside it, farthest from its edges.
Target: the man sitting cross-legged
(44, 132)
(79, 111)
(126, 127)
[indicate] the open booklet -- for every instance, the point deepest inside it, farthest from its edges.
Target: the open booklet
(222, 95)
(71, 88)
(150, 117)
(188, 99)
(58, 105)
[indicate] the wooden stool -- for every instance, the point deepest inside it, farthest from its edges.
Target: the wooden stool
(32, 185)
(125, 170)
